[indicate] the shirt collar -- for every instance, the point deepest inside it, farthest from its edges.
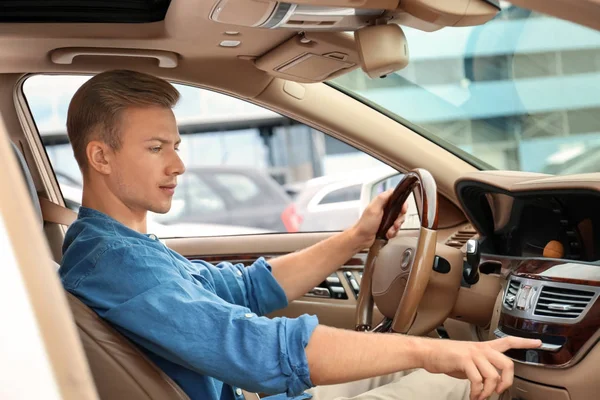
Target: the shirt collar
(85, 212)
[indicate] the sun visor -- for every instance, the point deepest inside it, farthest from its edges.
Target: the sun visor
(311, 57)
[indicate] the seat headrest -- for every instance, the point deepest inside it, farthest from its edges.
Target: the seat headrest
(29, 180)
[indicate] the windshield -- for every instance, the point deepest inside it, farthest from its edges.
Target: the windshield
(521, 92)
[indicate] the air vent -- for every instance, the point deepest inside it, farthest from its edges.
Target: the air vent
(511, 294)
(562, 303)
(460, 237)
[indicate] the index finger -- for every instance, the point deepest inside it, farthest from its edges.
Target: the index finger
(513, 342)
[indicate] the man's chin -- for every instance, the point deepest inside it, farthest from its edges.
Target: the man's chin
(163, 209)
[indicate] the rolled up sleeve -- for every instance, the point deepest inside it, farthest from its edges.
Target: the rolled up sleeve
(183, 322)
(254, 286)
(180, 322)
(265, 293)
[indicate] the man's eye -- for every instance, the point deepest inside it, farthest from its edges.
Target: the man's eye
(155, 149)
(176, 148)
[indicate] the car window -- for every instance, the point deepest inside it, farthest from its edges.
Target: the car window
(194, 191)
(248, 170)
(351, 193)
(242, 188)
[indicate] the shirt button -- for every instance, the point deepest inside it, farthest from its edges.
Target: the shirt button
(248, 315)
(153, 236)
(238, 391)
(240, 273)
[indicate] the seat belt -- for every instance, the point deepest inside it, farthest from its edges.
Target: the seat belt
(57, 214)
(250, 396)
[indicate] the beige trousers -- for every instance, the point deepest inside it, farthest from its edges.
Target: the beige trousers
(407, 385)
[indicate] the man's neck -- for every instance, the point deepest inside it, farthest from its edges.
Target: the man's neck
(100, 198)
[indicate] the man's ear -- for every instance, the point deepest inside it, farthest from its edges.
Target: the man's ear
(99, 156)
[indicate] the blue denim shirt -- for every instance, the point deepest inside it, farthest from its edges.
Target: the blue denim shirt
(202, 324)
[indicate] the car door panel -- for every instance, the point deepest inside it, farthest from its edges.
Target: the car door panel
(333, 311)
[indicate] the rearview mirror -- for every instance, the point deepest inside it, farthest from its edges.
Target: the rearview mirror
(372, 188)
(382, 49)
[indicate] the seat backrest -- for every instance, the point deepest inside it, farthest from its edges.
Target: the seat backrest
(120, 370)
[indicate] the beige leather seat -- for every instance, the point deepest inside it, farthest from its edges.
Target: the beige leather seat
(120, 370)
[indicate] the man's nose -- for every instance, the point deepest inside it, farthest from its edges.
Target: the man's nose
(176, 166)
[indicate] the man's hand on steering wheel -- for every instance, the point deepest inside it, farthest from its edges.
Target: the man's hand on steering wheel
(368, 224)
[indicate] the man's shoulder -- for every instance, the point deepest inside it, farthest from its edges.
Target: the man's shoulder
(90, 245)
(87, 239)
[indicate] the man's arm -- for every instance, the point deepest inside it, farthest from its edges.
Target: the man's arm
(299, 272)
(336, 356)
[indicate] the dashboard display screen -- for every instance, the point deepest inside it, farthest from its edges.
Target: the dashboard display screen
(566, 224)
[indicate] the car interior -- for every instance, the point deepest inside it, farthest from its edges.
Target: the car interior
(497, 252)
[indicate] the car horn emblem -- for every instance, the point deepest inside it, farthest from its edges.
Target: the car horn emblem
(406, 259)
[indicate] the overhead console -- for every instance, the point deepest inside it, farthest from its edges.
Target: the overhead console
(324, 50)
(350, 15)
(336, 36)
(322, 15)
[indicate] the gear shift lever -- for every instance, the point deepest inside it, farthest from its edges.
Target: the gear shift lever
(471, 270)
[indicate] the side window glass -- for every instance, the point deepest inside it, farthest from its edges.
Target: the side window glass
(241, 187)
(248, 170)
(351, 193)
(201, 198)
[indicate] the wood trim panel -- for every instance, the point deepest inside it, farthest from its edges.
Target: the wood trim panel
(573, 337)
(357, 260)
(534, 269)
(428, 192)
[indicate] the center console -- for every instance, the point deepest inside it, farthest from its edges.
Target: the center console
(542, 236)
(542, 300)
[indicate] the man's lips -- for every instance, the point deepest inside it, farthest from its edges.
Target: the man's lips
(168, 188)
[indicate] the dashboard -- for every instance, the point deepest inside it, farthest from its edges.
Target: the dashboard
(524, 224)
(542, 233)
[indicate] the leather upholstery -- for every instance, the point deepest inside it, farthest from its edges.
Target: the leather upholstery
(120, 370)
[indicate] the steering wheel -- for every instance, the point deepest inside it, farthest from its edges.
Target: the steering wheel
(397, 279)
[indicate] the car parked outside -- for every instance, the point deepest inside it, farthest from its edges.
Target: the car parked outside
(328, 204)
(72, 194)
(228, 195)
(331, 203)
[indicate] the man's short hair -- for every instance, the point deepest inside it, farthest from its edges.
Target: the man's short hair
(96, 108)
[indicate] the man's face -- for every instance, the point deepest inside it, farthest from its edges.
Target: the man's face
(144, 170)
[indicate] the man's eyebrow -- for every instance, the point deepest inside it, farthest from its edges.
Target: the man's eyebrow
(162, 140)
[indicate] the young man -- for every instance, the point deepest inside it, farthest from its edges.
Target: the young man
(203, 324)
